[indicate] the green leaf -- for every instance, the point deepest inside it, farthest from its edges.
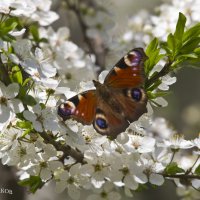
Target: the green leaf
(173, 169)
(180, 26)
(154, 58)
(164, 46)
(16, 75)
(152, 46)
(171, 43)
(192, 32)
(185, 56)
(141, 188)
(152, 95)
(33, 182)
(29, 100)
(190, 45)
(197, 170)
(24, 124)
(197, 51)
(26, 132)
(35, 33)
(26, 81)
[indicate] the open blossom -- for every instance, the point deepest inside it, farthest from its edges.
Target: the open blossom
(166, 81)
(196, 142)
(21, 154)
(8, 138)
(177, 142)
(9, 105)
(38, 65)
(45, 164)
(96, 168)
(141, 144)
(104, 193)
(42, 119)
(70, 180)
(151, 169)
(72, 63)
(33, 10)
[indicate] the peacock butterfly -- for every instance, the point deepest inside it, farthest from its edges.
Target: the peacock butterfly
(114, 104)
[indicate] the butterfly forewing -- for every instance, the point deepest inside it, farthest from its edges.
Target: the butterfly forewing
(81, 107)
(128, 71)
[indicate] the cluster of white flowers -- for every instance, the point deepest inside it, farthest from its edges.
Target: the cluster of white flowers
(132, 159)
(30, 10)
(34, 139)
(144, 26)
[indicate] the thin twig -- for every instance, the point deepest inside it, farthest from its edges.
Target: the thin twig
(193, 165)
(165, 70)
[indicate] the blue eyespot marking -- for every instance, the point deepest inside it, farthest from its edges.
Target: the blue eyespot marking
(136, 94)
(101, 123)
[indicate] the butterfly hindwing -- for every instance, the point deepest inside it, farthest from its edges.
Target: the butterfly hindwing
(133, 102)
(80, 107)
(107, 122)
(114, 116)
(128, 71)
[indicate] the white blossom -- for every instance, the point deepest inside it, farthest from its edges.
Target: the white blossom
(177, 142)
(105, 193)
(46, 163)
(9, 105)
(42, 119)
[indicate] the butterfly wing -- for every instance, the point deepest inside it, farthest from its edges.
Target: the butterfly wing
(114, 115)
(108, 122)
(132, 101)
(128, 71)
(81, 107)
(127, 99)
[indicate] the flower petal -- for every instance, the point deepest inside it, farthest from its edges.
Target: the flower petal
(29, 116)
(16, 105)
(12, 90)
(156, 179)
(45, 174)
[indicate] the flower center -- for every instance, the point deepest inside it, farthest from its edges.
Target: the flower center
(97, 167)
(3, 100)
(71, 180)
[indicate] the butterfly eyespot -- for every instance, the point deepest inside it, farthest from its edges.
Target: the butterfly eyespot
(133, 59)
(136, 94)
(66, 109)
(101, 123)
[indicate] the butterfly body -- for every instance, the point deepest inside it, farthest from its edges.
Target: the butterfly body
(105, 95)
(115, 103)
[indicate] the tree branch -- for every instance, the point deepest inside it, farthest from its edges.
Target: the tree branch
(96, 47)
(66, 149)
(181, 176)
